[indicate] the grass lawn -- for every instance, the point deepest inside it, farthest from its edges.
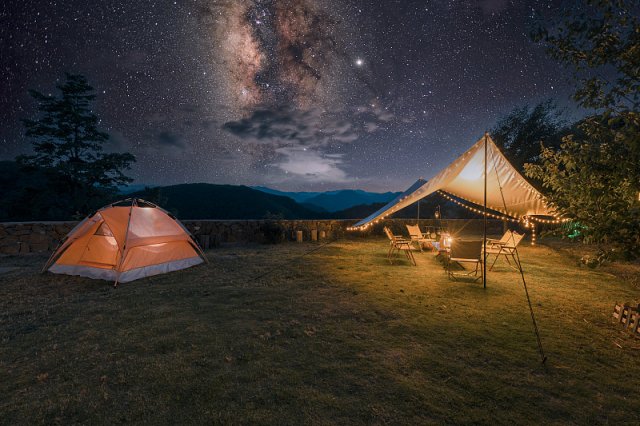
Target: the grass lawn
(335, 337)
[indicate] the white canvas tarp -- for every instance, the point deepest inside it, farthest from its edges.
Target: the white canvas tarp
(507, 191)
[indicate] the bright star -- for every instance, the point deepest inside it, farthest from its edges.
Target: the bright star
(359, 62)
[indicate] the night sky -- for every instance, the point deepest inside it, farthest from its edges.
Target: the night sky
(291, 94)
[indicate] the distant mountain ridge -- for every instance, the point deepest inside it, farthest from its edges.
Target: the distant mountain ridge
(209, 201)
(334, 201)
(226, 202)
(299, 197)
(128, 189)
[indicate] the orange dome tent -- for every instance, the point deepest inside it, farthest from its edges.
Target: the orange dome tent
(125, 241)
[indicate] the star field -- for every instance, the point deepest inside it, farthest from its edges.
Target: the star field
(293, 94)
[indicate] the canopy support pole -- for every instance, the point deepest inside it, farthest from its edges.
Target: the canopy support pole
(484, 222)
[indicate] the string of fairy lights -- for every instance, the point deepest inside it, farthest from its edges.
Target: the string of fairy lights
(478, 211)
(528, 222)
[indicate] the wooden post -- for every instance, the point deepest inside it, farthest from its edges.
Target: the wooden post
(299, 236)
(323, 235)
(634, 326)
(314, 235)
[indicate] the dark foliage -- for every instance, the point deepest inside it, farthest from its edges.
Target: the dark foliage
(593, 177)
(600, 41)
(75, 175)
(273, 230)
(595, 180)
(520, 133)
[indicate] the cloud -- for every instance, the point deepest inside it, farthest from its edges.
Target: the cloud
(167, 139)
(306, 164)
(374, 113)
(291, 127)
(118, 142)
(286, 126)
(301, 140)
(371, 127)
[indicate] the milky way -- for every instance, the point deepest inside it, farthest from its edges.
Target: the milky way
(275, 52)
(295, 94)
(282, 69)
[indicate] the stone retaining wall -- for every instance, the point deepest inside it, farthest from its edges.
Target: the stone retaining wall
(30, 237)
(27, 237)
(210, 233)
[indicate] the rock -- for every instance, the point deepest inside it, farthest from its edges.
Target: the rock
(61, 229)
(37, 238)
(39, 247)
(9, 240)
(37, 230)
(12, 249)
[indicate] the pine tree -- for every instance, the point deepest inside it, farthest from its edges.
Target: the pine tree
(520, 133)
(68, 146)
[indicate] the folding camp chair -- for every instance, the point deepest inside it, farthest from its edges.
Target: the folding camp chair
(418, 237)
(504, 240)
(397, 243)
(463, 252)
(506, 249)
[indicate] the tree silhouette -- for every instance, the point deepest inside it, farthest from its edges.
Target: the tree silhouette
(520, 133)
(593, 177)
(68, 145)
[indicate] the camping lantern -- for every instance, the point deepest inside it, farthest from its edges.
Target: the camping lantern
(446, 240)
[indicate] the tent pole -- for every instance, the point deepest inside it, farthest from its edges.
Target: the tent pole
(484, 222)
(124, 245)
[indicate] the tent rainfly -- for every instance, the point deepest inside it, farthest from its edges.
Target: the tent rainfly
(507, 191)
(125, 241)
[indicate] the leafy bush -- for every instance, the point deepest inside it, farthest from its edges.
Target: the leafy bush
(272, 229)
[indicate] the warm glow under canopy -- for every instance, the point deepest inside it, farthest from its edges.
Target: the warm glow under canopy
(507, 191)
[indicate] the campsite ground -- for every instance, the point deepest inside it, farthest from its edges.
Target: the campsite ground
(337, 336)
